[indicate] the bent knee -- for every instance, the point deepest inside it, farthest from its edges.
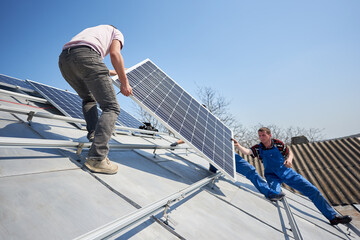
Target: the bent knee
(88, 101)
(113, 107)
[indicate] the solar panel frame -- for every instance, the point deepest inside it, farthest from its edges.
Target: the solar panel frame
(40, 88)
(12, 82)
(178, 112)
(124, 118)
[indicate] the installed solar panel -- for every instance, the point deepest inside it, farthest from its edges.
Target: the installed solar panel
(182, 114)
(128, 120)
(14, 83)
(70, 104)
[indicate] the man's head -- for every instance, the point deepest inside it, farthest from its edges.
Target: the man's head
(264, 135)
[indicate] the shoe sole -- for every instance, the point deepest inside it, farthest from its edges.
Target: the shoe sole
(96, 170)
(276, 199)
(334, 224)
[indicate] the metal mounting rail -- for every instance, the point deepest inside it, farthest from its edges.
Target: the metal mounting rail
(294, 227)
(127, 221)
(32, 114)
(27, 97)
(353, 228)
(47, 143)
(17, 87)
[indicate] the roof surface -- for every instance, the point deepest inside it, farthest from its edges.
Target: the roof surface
(46, 194)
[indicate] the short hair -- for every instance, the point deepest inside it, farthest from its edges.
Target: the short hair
(265, 129)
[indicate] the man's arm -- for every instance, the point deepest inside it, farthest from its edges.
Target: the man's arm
(118, 63)
(113, 72)
(243, 150)
(288, 161)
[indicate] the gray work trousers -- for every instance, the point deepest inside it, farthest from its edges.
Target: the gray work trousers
(85, 71)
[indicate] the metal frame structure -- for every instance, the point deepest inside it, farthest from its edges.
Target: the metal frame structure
(32, 114)
(17, 87)
(48, 143)
(294, 227)
(129, 220)
(27, 97)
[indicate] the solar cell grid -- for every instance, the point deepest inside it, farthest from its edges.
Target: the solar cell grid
(174, 124)
(162, 114)
(139, 92)
(160, 93)
(14, 82)
(167, 86)
(190, 116)
(180, 111)
(188, 125)
(133, 78)
(138, 74)
(155, 97)
(182, 114)
(153, 106)
(68, 103)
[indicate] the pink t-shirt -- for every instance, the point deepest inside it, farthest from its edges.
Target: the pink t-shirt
(98, 38)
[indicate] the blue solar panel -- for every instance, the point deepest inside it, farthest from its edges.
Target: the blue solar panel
(127, 120)
(14, 83)
(70, 104)
(182, 114)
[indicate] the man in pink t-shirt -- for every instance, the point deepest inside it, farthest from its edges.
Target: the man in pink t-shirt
(81, 64)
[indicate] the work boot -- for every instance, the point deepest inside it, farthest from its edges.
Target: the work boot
(173, 145)
(277, 197)
(103, 166)
(340, 219)
(91, 136)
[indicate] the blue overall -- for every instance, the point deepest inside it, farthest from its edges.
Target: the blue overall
(249, 171)
(276, 173)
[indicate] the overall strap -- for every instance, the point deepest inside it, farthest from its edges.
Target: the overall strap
(260, 150)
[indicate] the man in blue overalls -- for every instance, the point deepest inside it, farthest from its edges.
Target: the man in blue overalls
(249, 171)
(277, 159)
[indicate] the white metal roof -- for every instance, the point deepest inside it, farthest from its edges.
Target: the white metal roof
(46, 194)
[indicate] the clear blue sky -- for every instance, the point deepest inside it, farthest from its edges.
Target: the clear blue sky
(290, 63)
